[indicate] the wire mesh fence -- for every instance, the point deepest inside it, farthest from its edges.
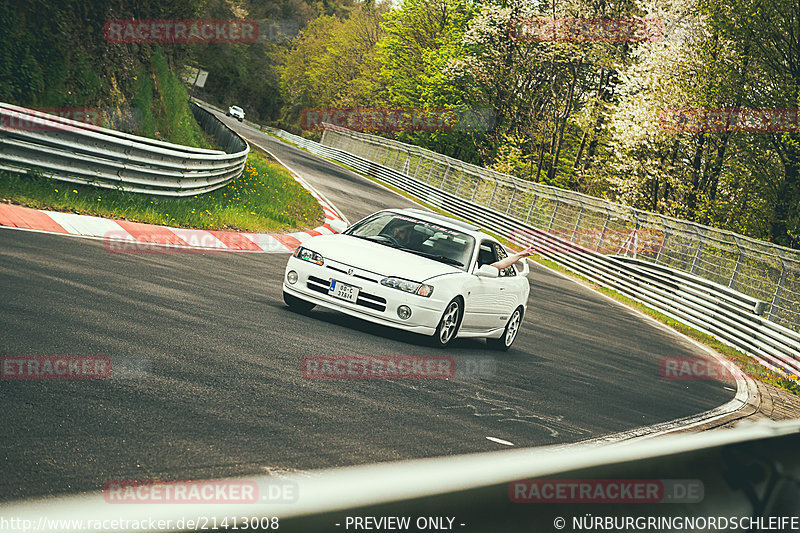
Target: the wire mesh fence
(756, 268)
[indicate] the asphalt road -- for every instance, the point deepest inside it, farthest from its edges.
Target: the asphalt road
(208, 379)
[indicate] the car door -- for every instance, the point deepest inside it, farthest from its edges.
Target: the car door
(482, 310)
(509, 291)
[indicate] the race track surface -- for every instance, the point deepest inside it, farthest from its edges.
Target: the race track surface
(209, 380)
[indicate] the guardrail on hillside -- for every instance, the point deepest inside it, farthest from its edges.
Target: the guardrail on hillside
(713, 308)
(76, 152)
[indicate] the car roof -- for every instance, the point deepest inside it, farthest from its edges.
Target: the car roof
(430, 216)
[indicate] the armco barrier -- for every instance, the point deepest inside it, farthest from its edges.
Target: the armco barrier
(76, 152)
(713, 308)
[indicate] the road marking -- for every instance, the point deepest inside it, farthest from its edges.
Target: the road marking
(500, 441)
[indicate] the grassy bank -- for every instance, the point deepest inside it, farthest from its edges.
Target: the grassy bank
(159, 107)
(264, 198)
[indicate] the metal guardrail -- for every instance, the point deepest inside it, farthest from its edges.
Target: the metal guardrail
(713, 308)
(76, 152)
(762, 270)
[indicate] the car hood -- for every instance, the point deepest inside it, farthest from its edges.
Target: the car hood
(382, 260)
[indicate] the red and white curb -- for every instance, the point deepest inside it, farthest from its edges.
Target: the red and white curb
(125, 236)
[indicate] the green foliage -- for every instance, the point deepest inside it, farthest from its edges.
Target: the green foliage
(249, 75)
(510, 158)
(422, 39)
(333, 62)
(61, 60)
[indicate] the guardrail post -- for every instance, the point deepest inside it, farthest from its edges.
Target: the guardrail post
(446, 172)
(663, 245)
(603, 233)
(577, 225)
(394, 165)
(513, 194)
(553, 218)
(491, 199)
(700, 244)
(738, 264)
(460, 179)
(530, 209)
(477, 186)
(430, 172)
(419, 164)
(635, 240)
(779, 289)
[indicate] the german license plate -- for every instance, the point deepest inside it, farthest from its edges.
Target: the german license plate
(343, 291)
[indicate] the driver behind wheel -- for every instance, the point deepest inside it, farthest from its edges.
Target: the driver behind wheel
(403, 233)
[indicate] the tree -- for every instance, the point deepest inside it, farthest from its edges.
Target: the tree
(769, 34)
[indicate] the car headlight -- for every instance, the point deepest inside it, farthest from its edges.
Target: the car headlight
(308, 255)
(413, 287)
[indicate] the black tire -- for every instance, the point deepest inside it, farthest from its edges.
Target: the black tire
(509, 334)
(240, 120)
(296, 304)
(449, 323)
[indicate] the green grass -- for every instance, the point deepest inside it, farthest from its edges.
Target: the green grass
(161, 102)
(264, 198)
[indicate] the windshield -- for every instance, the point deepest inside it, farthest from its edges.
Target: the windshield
(416, 236)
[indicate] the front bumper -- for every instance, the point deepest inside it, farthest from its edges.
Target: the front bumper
(376, 303)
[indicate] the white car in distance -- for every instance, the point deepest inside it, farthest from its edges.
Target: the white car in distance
(235, 112)
(413, 270)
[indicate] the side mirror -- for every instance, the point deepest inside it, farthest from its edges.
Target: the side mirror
(522, 267)
(487, 271)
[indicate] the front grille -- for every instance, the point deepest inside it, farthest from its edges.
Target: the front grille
(343, 271)
(365, 299)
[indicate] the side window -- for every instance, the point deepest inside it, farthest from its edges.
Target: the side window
(486, 254)
(501, 254)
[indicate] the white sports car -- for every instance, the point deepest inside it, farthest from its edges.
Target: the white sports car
(413, 270)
